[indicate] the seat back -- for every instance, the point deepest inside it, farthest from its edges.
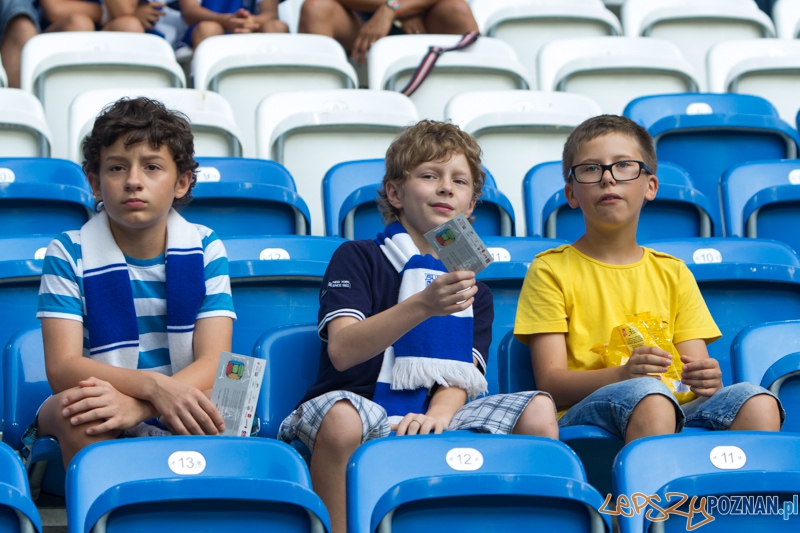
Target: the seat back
(467, 482)
(769, 68)
(238, 197)
(786, 14)
(707, 133)
(26, 385)
(210, 116)
(519, 129)
(488, 64)
(335, 126)
(292, 355)
(20, 272)
(56, 67)
(743, 282)
(17, 511)
(612, 71)
(527, 25)
(768, 355)
(23, 128)
(512, 257)
(696, 26)
(275, 281)
(761, 199)
(350, 191)
(190, 483)
(679, 209)
(42, 196)
(244, 68)
(710, 468)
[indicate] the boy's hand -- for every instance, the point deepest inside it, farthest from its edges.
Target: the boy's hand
(417, 424)
(414, 25)
(148, 13)
(646, 360)
(703, 376)
(242, 22)
(449, 293)
(98, 400)
(185, 410)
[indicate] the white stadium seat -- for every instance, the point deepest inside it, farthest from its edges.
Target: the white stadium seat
(23, 128)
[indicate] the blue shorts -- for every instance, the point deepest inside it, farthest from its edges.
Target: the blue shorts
(610, 407)
(10, 9)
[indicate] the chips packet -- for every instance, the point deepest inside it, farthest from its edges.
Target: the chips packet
(645, 329)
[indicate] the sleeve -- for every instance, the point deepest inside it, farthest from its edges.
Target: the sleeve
(483, 317)
(693, 320)
(345, 289)
(59, 289)
(542, 307)
(218, 300)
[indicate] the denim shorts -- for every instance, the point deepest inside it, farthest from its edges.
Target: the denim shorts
(9, 9)
(610, 407)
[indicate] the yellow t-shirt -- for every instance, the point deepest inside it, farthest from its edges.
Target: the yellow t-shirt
(567, 291)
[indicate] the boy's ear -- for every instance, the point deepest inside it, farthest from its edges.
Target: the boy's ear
(393, 194)
(94, 183)
(652, 187)
(569, 193)
(183, 184)
(471, 206)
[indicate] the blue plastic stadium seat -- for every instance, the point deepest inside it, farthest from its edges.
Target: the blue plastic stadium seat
(512, 257)
(26, 388)
(349, 193)
(460, 481)
(275, 281)
(192, 484)
(42, 196)
(729, 468)
(17, 511)
(20, 271)
(762, 199)
(236, 196)
(679, 210)
(707, 133)
(743, 282)
(292, 360)
(769, 355)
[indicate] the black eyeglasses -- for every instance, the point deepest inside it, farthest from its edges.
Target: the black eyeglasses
(627, 170)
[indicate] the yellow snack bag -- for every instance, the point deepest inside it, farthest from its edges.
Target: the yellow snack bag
(645, 329)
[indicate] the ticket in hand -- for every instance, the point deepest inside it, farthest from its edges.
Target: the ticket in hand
(458, 246)
(236, 386)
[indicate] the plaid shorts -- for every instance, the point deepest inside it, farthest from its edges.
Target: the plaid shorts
(491, 414)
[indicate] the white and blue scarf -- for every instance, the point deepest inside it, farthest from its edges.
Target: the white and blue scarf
(437, 351)
(110, 311)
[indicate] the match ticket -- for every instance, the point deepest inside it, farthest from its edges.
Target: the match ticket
(235, 395)
(458, 246)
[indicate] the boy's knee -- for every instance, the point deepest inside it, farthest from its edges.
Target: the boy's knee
(274, 26)
(655, 414)
(127, 23)
(206, 29)
(19, 30)
(538, 418)
(77, 22)
(315, 11)
(758, 413)
(341, 429)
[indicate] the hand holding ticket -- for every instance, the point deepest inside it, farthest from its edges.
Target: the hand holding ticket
(458, 246)
(236, 387)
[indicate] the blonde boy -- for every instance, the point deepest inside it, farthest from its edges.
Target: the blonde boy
(386, 364)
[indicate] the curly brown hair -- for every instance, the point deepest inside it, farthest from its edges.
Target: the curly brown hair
(427, 140)
(604, 125)
(143, 120)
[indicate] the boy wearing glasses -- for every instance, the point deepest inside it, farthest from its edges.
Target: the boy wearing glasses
(573, 296)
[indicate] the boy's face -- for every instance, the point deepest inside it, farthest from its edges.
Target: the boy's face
(610, 203)
(433, 193)
(137, 184)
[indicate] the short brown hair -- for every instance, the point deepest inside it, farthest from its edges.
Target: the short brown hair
(604, 125)
(427, 140)
(143, 120)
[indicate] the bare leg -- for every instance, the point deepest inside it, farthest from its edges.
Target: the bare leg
(759, 413)
(329, 18)
(18, 31)
(538, 418)
(338, 437)
(71, 438)
(654, 415)
(450, 16)
(74, 22)
(127, 23)
(204, 30)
